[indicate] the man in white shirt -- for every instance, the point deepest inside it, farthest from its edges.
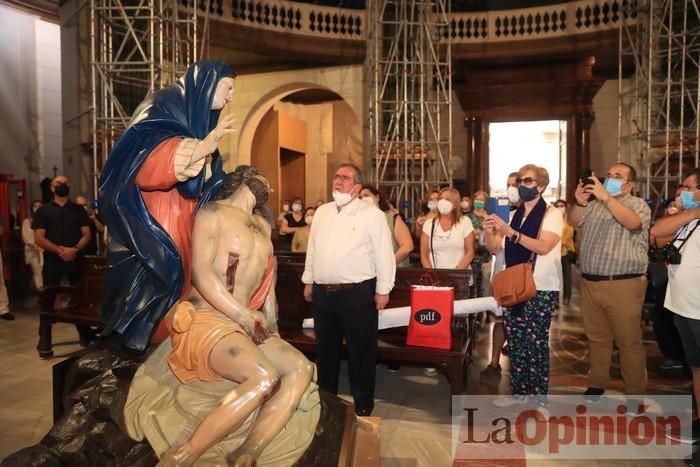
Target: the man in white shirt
(349, 273)
(682, 293)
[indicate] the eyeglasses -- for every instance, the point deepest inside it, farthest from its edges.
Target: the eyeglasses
(525, 180)
(342, 178)
(615, 175)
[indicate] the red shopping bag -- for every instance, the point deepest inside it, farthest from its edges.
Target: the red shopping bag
(432, 308)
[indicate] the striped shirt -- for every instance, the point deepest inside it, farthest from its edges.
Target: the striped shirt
(607, 247)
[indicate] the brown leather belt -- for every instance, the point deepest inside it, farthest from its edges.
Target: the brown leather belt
(330, 288)
(619, 277)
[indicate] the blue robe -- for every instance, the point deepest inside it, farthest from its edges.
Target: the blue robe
(144, 270)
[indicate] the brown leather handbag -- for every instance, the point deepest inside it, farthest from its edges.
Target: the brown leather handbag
(516, 284)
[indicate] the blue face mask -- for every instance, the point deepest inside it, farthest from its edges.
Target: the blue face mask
(613, 186)
(528, 194)
(688, 201)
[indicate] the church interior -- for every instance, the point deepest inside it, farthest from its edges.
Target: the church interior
(418, 94)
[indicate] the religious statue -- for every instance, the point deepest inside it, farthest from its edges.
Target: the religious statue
(161, 170)
(223, 339)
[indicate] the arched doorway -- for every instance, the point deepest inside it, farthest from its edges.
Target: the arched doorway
(297, 138)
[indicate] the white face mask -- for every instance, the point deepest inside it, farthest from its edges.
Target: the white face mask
(341, 199)
(432, 204)
(296, 207)
(285, 208)
(464, 205)
(444, 207)
(308, 219)
(369, 200)
(513, 195)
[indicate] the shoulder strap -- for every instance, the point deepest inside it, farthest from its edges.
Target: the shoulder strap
(686, 237)
(432, 235)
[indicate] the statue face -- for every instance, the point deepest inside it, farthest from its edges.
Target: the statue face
(224, 93)
(260, 188)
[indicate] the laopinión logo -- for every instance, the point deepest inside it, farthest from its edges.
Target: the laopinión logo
(567, 427)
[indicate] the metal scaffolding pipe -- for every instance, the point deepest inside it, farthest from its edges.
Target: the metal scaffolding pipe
(410, 69)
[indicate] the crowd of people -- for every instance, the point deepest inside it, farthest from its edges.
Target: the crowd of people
(607, 231)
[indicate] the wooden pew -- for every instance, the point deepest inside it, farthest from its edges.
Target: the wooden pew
(82, 307)
(392, 348)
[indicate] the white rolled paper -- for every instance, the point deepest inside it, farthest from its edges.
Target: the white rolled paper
(400, 316)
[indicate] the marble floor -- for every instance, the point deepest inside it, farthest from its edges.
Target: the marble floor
(415, 420)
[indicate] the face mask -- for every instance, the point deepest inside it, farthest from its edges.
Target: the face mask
(35, 209)
(285, 208)
(527, 194)
(369, 200)
(444, 207)
(613, 186)
(308, 219)
(62, 190)
(688, 200)
(341, 199)
(513, 195)
(432, 205)
(464, 205)
(478, 204)
(296, 207)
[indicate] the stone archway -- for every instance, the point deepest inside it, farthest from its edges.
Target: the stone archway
(256, 94)
(334, 128)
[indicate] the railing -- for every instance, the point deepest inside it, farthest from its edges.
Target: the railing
(287, 16)
(543, 22)
(550, 21)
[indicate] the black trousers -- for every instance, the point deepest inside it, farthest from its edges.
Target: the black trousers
(54, 270)
(349, 314)
(664, 327)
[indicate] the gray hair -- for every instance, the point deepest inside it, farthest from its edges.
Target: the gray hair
(358, 172)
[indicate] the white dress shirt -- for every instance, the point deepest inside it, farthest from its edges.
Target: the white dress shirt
(350, 246)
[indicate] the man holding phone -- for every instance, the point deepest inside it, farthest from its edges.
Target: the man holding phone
(614, 260)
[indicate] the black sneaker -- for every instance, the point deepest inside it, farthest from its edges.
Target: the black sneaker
(592, 395)
(7, 316)
(691, 436)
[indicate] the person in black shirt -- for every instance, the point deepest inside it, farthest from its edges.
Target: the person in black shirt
(292, 221)
(62, 229)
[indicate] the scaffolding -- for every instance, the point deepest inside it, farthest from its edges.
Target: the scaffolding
(136, 47)
(409, 70)
(658, 125)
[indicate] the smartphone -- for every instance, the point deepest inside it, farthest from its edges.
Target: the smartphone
(500, 207)
(586, 177)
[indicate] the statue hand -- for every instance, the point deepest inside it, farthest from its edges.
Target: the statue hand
(211, 142)
(256, 327)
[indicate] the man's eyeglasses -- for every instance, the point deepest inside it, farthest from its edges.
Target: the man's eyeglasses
(526, 180)
(343, 178)
(616, 176)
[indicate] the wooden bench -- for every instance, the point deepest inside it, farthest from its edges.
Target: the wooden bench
(392, 348)
(78, 305)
